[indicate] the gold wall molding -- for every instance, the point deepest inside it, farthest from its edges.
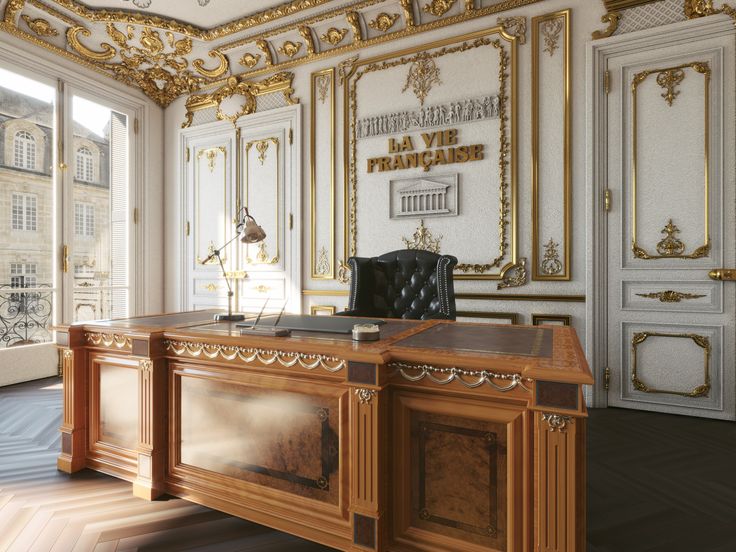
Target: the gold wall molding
(701, 341)
(514, 26)
(512, 317)
(541, 298)
(262, 145)
(551, 267)
(328, 310)
(322, 87)
(671, 247)
(506, 47)
(612, 18)
(383, 21)
(210, 153)
(670, 296)
(423, 239)
(40, 26)
(514, 275)
(325, 292)
(250, 355)
(280, 82)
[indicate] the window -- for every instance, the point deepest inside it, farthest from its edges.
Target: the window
(25, 150)
(23, 275)
(24, 212)
(85, 167)
(84, 219)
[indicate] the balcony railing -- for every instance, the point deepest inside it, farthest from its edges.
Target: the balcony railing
(25, 315)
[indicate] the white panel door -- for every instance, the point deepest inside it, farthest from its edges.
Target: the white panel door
(670, 171)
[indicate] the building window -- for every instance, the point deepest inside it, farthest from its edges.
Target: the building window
(25, 150)
(84, 219)
(23, 275)
(24, 212)
(85, 167)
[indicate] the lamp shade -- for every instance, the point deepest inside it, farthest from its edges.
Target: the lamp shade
(252, 233)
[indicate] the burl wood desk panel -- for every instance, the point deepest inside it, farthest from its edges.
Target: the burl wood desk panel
(439, 437)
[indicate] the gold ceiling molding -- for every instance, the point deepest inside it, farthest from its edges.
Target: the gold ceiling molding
(192, 31)
(290, 48)
(612, 18)
(514, 26)
(249, 60)
(702, 8)
(438, 8)
(334, 36)
(383, 21)
(280, 82)
(40, 26)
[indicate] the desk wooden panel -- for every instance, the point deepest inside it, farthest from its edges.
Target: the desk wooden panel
(439, 437)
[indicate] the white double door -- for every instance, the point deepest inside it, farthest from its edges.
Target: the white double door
(253, 165)
(664, 149)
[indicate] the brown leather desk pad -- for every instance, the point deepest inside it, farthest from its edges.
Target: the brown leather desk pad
(500, 340)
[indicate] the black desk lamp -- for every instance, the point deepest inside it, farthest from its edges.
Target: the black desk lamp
(248, 231)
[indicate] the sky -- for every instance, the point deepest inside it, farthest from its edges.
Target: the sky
(88, 114)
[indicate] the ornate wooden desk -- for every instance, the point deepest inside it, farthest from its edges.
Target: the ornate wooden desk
(439, 437)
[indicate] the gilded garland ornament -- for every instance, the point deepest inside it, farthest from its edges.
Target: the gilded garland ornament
(514, 26)
(334, 36)
(423, 74)
(383, 21)
(423, 239)
(40, 26)
(670, 296)
(468, 378)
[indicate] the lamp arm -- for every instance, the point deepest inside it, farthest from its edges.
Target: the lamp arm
(224, 273)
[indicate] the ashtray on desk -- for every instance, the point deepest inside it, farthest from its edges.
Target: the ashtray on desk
(366, 332)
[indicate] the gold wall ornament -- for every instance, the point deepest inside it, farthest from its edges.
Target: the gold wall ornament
(671, 247)
(551, 263)
(701, 341)
(551, 32)
(290, 48)
(223, 66)
(408, 7)
(353, 19)
(323, 82)
(251, 355)
(438, 8)
(514, 275)
(557, 422)
(211, 287)
(145, 365)
(469, 5)
(306, 34)
(365, 396)
(514, 26)
(40, 26)
(262, 148)
(343, 272)
(699, 8)
(423, 239)
(333, 35)
(249, 60)
(12, 9)
(669, 80)
(211, 155)
(423, 74)
(323, 267)
(612, 18)
(72, 35)
(469, 378)
(670, 296)
(383, 21)
(280, 82)
(263, 46)
(345, 68)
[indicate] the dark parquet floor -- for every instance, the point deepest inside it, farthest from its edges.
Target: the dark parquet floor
(657, 483)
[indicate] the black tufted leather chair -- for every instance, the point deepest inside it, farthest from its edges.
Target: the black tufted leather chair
(407, 283)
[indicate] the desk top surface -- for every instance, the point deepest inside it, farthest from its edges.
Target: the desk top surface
(540, 352)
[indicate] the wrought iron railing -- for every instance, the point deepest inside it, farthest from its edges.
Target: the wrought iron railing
(25, 314)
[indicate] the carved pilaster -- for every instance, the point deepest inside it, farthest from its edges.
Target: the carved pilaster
(560, 480)
(74, 424)
(149, 483)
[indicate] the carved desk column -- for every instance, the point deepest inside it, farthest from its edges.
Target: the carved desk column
(73, 457)
(368, 404)
(152, 408)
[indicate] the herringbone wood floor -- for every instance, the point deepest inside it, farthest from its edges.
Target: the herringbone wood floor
(657, 483)
(43, 510)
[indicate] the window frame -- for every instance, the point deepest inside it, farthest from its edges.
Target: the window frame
(24, 149)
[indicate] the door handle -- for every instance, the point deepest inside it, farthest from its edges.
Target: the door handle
(723, 274)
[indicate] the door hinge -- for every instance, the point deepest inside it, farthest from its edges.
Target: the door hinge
(607, 82)
(135, 125)
(187, 155)
(291, 221)
(65, 258)
(291, 136)
(607, 201)
(135, 215)
(188, 228)
(606, 378)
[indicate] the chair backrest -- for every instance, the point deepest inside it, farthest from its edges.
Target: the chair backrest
(407, 283)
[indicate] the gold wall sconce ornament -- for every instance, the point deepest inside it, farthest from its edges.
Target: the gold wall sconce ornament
(701, 341)
(383, 21)
(280, 82)
(40, 26)
(423, 74)
(438, 8)
(514, 275)
(423, 239)
(514, 26)
(290, 48)
(334, 36)
(670, 296)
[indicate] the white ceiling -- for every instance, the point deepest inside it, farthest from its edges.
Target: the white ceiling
(216, 12)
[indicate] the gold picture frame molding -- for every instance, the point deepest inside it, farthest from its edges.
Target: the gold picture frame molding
(508, 220)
